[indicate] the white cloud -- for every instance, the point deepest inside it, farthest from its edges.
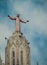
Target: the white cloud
(35, 51)
(4, 31)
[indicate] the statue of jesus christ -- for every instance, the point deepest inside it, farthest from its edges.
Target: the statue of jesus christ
(18, 20)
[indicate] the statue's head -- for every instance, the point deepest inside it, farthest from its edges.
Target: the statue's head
(18, 15)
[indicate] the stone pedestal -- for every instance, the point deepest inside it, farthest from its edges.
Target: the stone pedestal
(17, 51)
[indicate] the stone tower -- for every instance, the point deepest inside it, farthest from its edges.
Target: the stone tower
(17, 51)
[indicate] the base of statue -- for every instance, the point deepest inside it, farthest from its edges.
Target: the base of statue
(19, 33)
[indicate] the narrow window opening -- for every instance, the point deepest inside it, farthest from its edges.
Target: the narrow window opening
(13, 61)
(13, 54)
(21, 57)
(13, 58)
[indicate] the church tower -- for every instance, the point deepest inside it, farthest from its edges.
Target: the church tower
(17, 51)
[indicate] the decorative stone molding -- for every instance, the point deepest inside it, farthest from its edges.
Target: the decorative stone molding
(18, 42)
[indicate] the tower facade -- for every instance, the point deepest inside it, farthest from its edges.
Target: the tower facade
(17, 51)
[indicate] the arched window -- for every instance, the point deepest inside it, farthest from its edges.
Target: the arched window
(13, 54)
(13, 58)
(21, 57)
(13, 61)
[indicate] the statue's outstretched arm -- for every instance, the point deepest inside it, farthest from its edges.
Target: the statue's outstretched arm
(12, 18)
(24, 21)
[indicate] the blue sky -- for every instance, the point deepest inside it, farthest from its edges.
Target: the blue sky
(35, 31)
